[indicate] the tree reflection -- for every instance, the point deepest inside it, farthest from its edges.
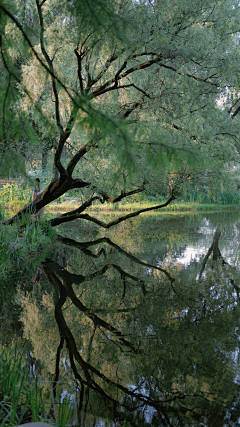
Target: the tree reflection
(145, 343)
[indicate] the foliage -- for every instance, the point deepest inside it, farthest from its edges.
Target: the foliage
(15, 194)
(121, 96)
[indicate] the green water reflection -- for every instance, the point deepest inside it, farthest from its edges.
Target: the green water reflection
(141, 322)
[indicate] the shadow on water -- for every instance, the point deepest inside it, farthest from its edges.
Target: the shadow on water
(149, 336)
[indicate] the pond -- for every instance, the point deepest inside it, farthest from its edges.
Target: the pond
(138, 323)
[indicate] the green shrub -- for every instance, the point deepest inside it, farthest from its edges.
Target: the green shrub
(21, 241)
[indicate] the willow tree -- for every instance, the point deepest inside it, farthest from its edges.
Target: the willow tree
(137, 92)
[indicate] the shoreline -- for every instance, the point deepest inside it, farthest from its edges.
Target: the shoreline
(128, 207)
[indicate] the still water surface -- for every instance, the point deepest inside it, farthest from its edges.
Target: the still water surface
(138, 323)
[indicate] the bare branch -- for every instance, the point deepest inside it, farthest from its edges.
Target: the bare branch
(79, 56)
(105, 198)
(121, 196)
(73, 162)
(115, 86)
(65, 217)
(71, 217)
(107, 64)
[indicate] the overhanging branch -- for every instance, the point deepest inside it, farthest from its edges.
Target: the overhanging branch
(73, 216)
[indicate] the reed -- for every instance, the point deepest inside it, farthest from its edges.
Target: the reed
(21, 399)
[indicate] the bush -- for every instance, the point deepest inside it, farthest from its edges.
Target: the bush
(23, 240)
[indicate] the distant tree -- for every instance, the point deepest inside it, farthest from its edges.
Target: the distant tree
(143, 92)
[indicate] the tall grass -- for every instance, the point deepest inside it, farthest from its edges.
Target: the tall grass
(21, 398)
(16, 194)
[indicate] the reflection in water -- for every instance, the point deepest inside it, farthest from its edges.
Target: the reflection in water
(155, 345)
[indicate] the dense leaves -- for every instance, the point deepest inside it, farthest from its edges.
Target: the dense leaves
(121, 95)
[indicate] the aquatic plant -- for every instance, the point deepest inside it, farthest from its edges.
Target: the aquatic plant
(21, 398)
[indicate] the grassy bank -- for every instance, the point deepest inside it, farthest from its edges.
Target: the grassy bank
(57, 208)
(16, 196)
(177, 206)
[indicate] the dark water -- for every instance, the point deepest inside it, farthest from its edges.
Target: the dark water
(140, 323)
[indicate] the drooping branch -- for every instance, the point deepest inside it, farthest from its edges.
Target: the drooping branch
(103, 197)
(71, 217)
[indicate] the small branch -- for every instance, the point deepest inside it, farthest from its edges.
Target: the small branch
(235, 112)
(124, 87)
(142, 66)
(123, 194)
(134, 107)
(107, 64)
(79, 56)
